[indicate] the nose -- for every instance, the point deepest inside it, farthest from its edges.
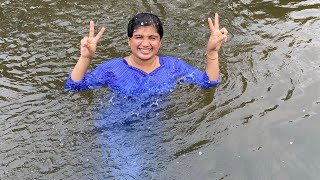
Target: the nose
(145, 42)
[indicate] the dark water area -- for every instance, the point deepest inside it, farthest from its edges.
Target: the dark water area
(261, 122)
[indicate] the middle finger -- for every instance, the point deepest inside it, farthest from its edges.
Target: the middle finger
(216, 21)
(91, 32)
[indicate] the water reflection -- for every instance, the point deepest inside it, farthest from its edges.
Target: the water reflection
(243, 129)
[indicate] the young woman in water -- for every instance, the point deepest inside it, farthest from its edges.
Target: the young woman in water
(143, 71)
(131, 141)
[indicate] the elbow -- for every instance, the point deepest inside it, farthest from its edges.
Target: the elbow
(68, 88)
(71, 88)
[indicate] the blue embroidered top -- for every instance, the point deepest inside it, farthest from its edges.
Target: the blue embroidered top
(118, 75)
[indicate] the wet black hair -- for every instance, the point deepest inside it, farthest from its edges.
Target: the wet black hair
(145, 19)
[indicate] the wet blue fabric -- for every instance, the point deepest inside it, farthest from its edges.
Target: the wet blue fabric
(129, 118)
(131, 137)
(118, 75)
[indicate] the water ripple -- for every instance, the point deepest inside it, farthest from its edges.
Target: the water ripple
(269, 67)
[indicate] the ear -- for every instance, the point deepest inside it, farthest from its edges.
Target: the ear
(129, 42)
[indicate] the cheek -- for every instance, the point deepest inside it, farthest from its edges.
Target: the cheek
(131, 44)
(158, 44)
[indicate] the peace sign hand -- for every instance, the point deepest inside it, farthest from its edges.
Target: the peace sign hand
(89, 44)
(217, 36)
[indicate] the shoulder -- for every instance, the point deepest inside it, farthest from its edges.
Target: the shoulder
(170, 60)
(112, 61)
(173, 61)
(115, 62)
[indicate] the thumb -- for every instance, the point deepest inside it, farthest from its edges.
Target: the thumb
(222, 38)
(84, 42)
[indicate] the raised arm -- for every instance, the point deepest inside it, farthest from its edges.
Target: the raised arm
(87, 50)
(217, 37)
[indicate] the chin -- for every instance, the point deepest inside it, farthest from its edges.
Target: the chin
(145, 57)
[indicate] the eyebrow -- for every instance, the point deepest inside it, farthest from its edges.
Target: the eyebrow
(152, 35)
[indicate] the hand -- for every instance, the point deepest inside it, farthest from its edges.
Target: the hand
(217, 36)
(89, 44)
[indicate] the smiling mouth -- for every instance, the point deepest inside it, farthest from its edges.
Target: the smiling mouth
(145, 49)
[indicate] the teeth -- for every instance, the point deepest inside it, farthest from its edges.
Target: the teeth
(143, 50)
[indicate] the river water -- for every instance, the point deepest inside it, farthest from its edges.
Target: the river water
(260, 123)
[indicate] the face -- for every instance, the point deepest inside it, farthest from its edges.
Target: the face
(145, 43)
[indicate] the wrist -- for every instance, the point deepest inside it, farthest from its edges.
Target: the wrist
(212, 55)
(85, 58)
(212, 52)
(212, 58)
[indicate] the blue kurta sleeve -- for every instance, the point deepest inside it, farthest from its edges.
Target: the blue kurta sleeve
(193, 75)
(98, 77)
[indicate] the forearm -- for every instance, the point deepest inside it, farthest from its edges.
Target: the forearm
(212, 66)
(80, 68)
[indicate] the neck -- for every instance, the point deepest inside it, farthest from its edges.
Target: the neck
(144, 65)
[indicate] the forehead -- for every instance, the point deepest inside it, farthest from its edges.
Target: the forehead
(146, 30)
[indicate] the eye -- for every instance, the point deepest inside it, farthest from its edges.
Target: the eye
(153, 38)
(138, 37)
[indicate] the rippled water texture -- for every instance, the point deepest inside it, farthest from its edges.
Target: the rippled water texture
(260, 123)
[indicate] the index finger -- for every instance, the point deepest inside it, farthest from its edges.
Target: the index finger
(91, 32)
(216, 21)
(210, 25)
(99, 34)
